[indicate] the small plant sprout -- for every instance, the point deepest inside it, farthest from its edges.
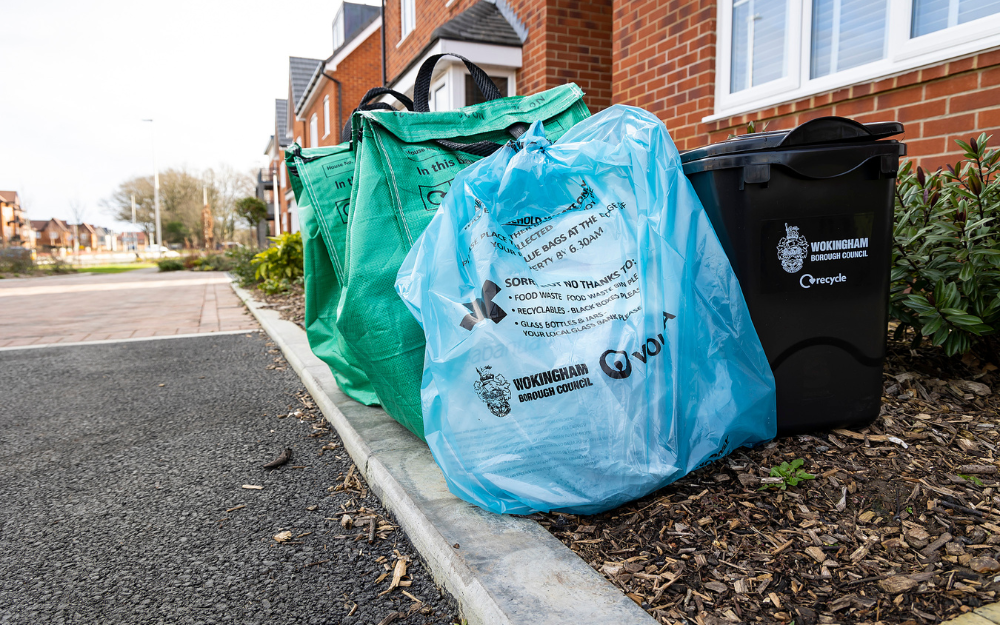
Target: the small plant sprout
(790, 473)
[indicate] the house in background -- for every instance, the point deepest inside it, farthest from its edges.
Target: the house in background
(54, 236)
(14, 226)
(322, 93)
(708, 67)
(131, 241)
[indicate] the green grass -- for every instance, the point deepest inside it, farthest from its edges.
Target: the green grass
(115, 268)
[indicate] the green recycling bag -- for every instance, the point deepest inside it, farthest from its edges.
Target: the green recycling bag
(405, 164)
(321, 179)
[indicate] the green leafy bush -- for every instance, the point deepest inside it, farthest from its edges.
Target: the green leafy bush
(280, 265)
(241, 265)
(170, 264)
(946, 259)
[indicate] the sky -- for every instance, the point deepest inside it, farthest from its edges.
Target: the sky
(78, 77)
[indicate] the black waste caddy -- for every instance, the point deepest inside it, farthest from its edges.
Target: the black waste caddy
(805, 216)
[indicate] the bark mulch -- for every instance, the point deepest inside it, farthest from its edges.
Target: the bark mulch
(901, 523)
(291, 304)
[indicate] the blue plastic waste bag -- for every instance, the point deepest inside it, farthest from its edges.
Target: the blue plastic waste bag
(587, 339)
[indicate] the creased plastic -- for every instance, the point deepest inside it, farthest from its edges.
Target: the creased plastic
(587, 339)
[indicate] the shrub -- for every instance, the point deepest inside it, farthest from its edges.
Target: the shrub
(946, 261)
(215, 262)
(170, 264)
(280, 265)
(16, 260)
(241, 265)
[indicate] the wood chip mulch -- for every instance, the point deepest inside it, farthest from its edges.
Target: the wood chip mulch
(291, 304)
(900, 525)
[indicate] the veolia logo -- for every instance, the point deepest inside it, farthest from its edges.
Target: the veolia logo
(793, 249)
(807, 281)
(619, 368)
(616, 368)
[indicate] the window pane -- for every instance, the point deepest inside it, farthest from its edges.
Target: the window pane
(929, 16)
(441, 98)
(741, 48)
(768, 40)
(969, 10)
(472, 93)
(846, 34)
(758, 53)
(822, 38)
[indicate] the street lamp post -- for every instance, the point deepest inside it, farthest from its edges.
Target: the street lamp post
(156, 193)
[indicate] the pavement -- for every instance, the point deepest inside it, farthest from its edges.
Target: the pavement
(143, 303)
(122, 473)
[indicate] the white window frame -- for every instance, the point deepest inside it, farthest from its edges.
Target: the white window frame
(326, 117)
(903, 54)
(313, 130)
(406, 19)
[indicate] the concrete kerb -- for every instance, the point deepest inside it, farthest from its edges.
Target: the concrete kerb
(500, 569)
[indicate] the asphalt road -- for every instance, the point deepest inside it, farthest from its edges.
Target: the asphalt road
(121, 474)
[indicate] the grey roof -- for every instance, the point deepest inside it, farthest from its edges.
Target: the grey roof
(281, 122)
(356, 18)
(300, 70)
(482, 23)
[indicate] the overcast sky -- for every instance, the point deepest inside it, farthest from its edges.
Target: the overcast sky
(78, 76)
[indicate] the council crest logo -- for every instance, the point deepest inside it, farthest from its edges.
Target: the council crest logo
(494, 390)
(792, 249)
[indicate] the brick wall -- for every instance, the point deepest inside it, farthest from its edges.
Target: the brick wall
(954, 100)
(359, 72)
(664, 61)
(568, 41)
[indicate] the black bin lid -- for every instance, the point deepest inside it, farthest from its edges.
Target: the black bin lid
(819, 131)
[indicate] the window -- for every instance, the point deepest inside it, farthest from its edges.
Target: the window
(281, 171)
(474, 96)
(758, 42)
(313, 131)
(407, 17)
(933, 15)
(846, 34)
(338, 28)
(326, 116)
(773, 51)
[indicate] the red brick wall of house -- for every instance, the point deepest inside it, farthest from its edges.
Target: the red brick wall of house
(954, 100)
(358, 73)
(568, 41)
(664, 62)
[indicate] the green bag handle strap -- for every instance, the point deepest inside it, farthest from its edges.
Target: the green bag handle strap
(368, 105)
(421, 95)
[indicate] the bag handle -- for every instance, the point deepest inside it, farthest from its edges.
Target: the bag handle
(367, 105)
(421, 104)
(422, 86)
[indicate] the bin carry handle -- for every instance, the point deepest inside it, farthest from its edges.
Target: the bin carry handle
(760, 172)
(368, 105)
(421, 95)
(838, 129)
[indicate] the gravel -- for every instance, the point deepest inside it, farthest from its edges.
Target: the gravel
(120, 466)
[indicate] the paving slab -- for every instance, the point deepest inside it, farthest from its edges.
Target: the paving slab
(95, 307)
(501, 569)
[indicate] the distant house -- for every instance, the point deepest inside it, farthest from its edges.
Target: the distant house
(321, 96)
(131, 241)
(14, 227)
(54, 235)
